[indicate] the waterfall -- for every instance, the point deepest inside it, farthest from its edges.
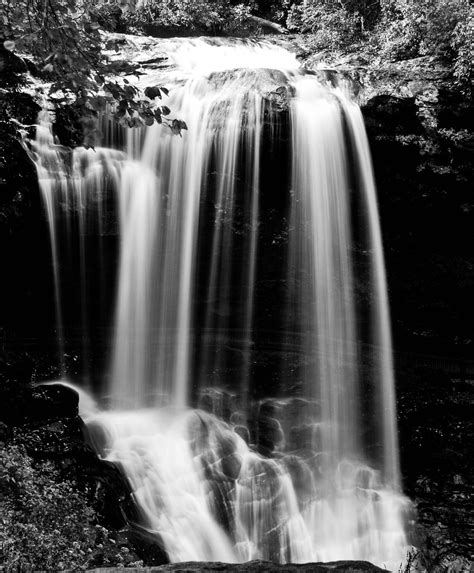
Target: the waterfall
(249, 394)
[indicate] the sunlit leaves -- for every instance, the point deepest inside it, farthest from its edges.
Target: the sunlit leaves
(65, 43)
(429, 27)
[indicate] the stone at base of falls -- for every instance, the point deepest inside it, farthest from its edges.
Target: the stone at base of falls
(256, 566)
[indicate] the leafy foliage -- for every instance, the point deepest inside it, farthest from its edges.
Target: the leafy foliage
(399, 29)
(425, 26)
(110, 17)
(441, 28)
(64, 40)
(335, 23)
(193, 15)
(463, 45)
(46, 523)
(275, 10)
(330, 21)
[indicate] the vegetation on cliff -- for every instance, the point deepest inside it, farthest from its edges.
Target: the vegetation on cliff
(47, 522)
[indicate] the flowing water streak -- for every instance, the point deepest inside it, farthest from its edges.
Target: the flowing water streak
(321, 228)
(52, 180)
(138, 209)
(381, 321)
(254, 136)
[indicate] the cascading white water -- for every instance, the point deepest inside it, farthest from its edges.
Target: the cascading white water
(291, 478)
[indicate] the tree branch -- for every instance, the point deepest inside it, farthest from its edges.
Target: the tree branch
(268, 24)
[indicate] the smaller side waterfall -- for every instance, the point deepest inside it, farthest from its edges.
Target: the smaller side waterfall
(227, 259)
(76, 187)
(382, 336)
(53, 183)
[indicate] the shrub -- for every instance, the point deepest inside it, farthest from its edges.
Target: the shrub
(110, 17)
(194, 15)
(332, 24)
(426, 27)
(45, 521)
(274, 10)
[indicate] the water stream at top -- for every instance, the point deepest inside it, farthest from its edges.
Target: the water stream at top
(222, 465)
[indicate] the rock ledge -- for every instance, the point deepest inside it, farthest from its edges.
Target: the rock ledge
(257, 566)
